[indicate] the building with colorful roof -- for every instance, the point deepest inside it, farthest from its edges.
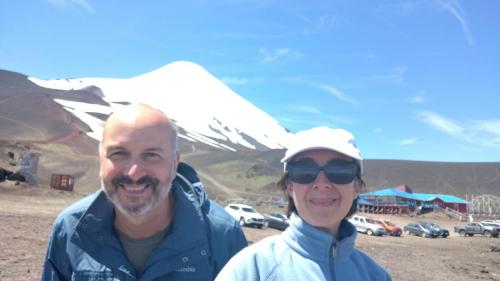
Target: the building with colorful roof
(402, 199)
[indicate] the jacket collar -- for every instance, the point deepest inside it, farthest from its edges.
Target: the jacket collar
(98, 219)
(317, 244)
(188, 224)
(94, 232)
(99, 216)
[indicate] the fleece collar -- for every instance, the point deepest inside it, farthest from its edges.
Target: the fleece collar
(317, 244)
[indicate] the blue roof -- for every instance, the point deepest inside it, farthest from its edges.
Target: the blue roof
(390, 192)
(362, 201)
(416, 196)
(451, 199)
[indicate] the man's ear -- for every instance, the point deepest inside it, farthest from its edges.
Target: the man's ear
(175, 163)
(177, 159)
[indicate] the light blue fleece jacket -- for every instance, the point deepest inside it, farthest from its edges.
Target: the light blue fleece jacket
(304, 252)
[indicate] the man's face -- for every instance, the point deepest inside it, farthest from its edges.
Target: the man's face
(137, 164)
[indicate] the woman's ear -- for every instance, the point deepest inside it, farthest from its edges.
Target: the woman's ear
(357, 188)
(289, 188)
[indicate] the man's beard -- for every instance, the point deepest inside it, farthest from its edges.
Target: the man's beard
(159, 192)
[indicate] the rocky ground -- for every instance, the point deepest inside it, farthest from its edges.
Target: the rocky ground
(26, 215)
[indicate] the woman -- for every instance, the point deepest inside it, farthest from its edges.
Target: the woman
(322, 180)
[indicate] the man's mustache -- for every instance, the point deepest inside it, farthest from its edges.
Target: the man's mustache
(145, 180)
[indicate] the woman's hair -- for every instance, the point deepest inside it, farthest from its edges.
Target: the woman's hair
(283, 183)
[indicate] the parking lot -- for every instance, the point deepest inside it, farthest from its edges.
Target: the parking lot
(412, 258)
(25, 221)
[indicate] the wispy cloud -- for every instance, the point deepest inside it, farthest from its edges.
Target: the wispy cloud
(64, 3)
(408, 141)
(377, 130)
(238, 81)
(470, 148)
(310, 116)
(397, 75)
(341, 119)
(484, 133)
(211, 52)
(295, 121)
(441, 123)
(245, 35)
(489, 127)
(319, 114)
(306, 109)
(418, 98)
(451, 6)
(399, 7)
(364, 56)
(336, 93)
(319, 24)
(316, 24)
(270, 56)
(136, 36)
(454, 7)
(327, 21)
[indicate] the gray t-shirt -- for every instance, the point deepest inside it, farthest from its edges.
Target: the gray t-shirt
(139, 250)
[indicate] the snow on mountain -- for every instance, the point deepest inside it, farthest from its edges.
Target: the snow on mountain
(203, 106)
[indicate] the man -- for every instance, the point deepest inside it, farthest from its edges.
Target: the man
(147, 222)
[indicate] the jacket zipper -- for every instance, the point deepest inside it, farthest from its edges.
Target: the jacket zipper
(334, 250)
(334, 261)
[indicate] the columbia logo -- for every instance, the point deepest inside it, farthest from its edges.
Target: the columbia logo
(186, 269)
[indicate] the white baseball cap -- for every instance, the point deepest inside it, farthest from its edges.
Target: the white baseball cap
(338, 140)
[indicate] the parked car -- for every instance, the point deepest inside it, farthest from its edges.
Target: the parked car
(486, 229)
(276, 220)
(442, 232)
(420, 230)
(391, 228)
(367, 225)
(495, 222)
(246, 215)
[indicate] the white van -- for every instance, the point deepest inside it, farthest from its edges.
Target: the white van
(367, 225)
(246, 215)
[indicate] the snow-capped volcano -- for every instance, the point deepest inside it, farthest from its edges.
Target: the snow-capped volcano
(204, 107)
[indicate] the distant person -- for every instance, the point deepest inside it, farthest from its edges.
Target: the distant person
(322, 181)
(419, 210)
(151, 220)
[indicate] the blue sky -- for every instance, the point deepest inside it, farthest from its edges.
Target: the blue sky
(416, 80)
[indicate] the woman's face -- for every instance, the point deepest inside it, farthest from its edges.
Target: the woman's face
(321, 202)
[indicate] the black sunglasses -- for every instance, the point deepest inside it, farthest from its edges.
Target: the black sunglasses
(337, 171)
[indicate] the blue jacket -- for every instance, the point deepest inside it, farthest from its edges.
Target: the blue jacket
(203, 237)
(303, 252)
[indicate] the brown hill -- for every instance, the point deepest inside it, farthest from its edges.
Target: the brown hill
(257, 171)
(31, 120)
(435, 177)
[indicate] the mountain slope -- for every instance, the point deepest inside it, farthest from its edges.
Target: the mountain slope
(203, 106)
